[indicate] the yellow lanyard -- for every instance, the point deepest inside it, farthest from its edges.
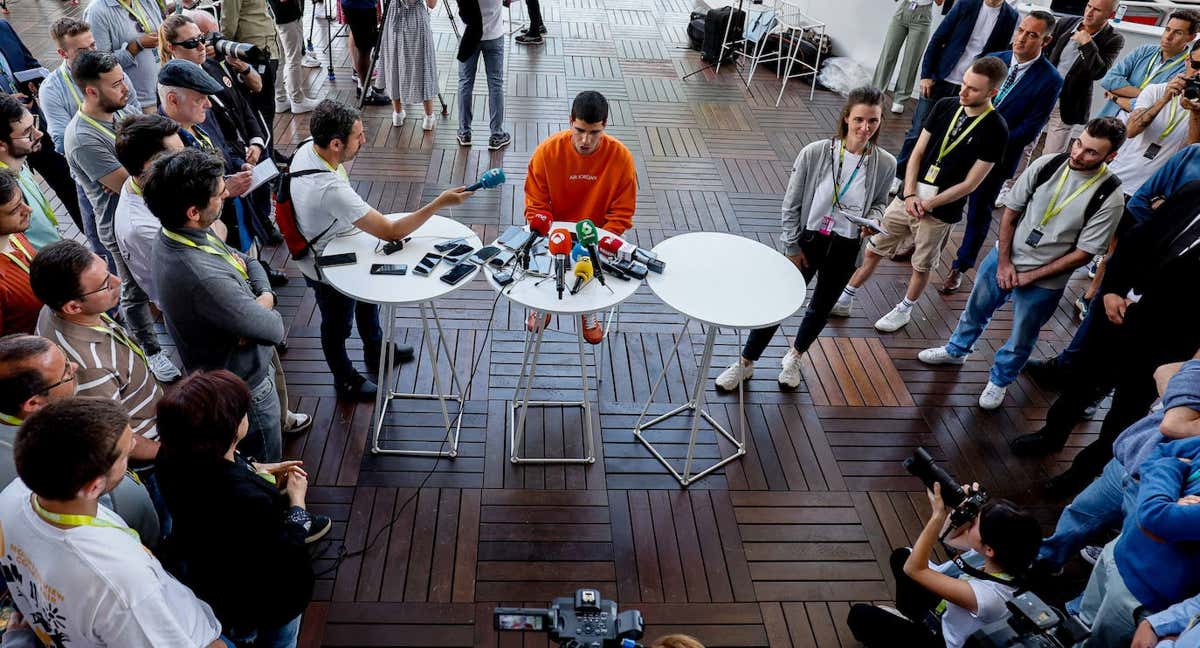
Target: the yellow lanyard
(10, 419)
(205, 143)
(78, 520)
(133, 186)
(219, 250)
(114, 330)
(945, 150)
(340, 171)
(100, 127)
(1054, 209)
(24, 265)
(29, 187)
(1172, 120)
(1152, 71)
(70, 83)
(139, 15)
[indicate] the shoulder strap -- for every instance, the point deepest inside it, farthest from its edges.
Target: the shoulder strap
(1047, 172)
(1106, 189)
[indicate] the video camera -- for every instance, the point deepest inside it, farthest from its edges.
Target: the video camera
(1032, 624)
(965, 504)
(584, 621)
(252, 54)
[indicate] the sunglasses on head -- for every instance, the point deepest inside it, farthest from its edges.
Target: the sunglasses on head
(191, 43)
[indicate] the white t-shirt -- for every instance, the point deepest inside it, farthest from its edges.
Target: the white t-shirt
(493, 19)
(990, 597)
(1131, 164)
(985, 22)
(321, 200)
(852, 201)
(92, 586)
(136, 228)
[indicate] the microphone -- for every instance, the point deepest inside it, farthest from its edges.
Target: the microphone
(488, 180)
(586, 230)
(625, 251)
(584, 270)
(560, 247)
(539, 225)
(578, 252)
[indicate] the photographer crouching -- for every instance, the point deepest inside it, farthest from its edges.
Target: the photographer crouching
(943, 605)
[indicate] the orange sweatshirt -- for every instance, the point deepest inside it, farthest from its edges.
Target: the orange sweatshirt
(571, 187)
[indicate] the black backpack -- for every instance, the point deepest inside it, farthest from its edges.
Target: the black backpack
(715, 23)
(1106, 188)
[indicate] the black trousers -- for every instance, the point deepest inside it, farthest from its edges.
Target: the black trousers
(535, 16)
(263, 101)
(835, 258)
(877, 627)
(52, 166)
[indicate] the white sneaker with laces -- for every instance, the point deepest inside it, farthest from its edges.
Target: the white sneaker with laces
(310, 61)
(842, 309)
(940, 356)
(282, 106)
(895, 186)
(305, 105)
(398, 118)
(895, 320)
(790, 376)
(734, 375)
(992, 396)
(1000, 197)
(1091, 553)
(162, 367)
(428, 122)
(897, 108)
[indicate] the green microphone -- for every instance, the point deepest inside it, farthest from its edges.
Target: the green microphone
(586, 231)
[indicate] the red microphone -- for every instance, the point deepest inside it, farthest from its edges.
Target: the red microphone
(611, 245)
(560, 248)
(539, 224)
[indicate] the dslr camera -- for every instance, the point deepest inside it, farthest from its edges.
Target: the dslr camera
(965, 504)
(582, 621)
(1032, 624)
(251, 54)
(1191, 88)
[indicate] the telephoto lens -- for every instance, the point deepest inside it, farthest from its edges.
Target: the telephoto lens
(241, 51)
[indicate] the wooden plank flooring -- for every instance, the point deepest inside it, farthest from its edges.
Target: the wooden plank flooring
(771, 550)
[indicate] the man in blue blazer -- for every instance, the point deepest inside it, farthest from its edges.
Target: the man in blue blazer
(1025, 101)
(971, 28)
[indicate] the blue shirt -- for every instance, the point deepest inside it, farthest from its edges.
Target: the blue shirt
(1179, 619)
(1138, 440)
(1182, 168)
(1132, 70)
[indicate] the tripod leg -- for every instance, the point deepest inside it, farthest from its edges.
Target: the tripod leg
(445, 109)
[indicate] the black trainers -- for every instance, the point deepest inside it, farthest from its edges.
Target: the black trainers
(357, 388)
(464, 139)
(1046, 373)
(1038, 443)
(497, 142)
(401, 353)
(526, 39)
(525, 30)
(316, 527)
(376, 98)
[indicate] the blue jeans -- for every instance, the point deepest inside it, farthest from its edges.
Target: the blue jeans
(493, 61)
(264, 440)
(337, 313)
(283, 636)
(88, 216)
(941, 90)
(1032, 307)
(1103, 504)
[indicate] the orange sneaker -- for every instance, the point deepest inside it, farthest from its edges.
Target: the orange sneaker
(532, 322)
(593, 332)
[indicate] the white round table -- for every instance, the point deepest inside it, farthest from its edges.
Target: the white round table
(391, 291)
(540, 294)
(719, 280)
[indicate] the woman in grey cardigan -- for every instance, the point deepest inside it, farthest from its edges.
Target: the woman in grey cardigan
(833, 181)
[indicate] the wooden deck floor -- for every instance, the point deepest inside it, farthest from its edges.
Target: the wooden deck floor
(772, 550)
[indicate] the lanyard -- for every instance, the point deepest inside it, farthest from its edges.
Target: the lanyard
(114, 330)
(1054, 209)
(10, 419)
(1172, 120)
(77, 520)
(100, 127)
(202, 139)
(133, 186)
(839, 190)
(340, 171)
(70, 83)
(1152, 71)
(219, 250)
(948, 146)
(29, 187)
(24, 265)
(139, 15)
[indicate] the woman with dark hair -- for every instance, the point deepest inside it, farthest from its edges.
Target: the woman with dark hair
(833, 181)
(234, 520)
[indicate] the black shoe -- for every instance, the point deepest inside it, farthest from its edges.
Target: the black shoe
(464, 139)
(376, 98)
(318, 526)
(525, 30)
(274, 236)
(526, 39)
(357, 388)
(1046, 373)
(497, 142)
(1038, 443)
(401, 353)
(1066, 484)
(276, 277)
(299, 425)
(281, 348)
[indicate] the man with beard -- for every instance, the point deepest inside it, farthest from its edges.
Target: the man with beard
(19, 137)
(18, 305)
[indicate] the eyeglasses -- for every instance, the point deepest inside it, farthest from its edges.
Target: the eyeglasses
(191, 43)
(107, 286)
(68, 372)
(32, 131)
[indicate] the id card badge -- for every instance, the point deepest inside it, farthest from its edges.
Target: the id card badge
(1035, 237)
(826, 225)
(1152, 150)
(912, 5)
(932, 174)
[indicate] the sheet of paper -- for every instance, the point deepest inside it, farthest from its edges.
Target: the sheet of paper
(31, 74)
(263, 172)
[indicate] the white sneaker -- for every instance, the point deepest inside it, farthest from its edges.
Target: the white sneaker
(734, 375)
(895, 186)
(842, 309)
(282, 106)
(940, 356)
(162, 367)
(1093, 266)
(999, 202)
(398, 118)
(306, 105)
(992, 396)
(1091, 553)
(894, 320)
(310, 61)
(790, 376)
(897, 108)
(428, 122)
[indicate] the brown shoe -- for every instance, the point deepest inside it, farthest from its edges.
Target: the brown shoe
(593, 332)
(953, 282)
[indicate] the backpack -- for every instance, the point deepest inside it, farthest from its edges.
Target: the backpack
(715, 23)
(285, 214)
(1106, 188)
(695, 30)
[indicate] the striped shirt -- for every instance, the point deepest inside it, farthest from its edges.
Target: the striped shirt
(107, 367)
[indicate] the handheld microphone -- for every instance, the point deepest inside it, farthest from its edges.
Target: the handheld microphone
(578, 252)
(488, 180)
(560, 247)
(587, 236)
(539, 226)
(584, 271)
(622, 250)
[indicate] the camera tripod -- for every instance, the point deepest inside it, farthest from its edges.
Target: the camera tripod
(387, 5)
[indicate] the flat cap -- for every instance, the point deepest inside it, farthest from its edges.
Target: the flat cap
(179, 73)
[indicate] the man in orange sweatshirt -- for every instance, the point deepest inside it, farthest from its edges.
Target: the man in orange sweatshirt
(583, 173)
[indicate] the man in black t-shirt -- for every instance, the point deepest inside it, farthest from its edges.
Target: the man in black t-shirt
(961, 139)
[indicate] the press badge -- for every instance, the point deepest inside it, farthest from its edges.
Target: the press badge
(1035, 237)
(912, 5)
(1152, 151)
(932, 174)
